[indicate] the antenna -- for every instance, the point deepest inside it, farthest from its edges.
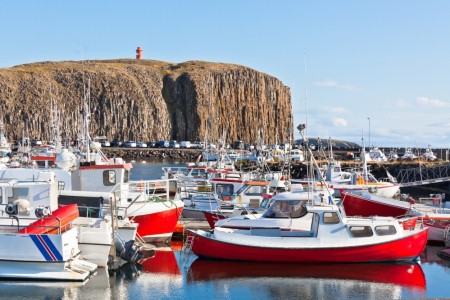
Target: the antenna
(306, 95)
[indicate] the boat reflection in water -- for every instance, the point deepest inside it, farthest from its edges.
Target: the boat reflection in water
(99, 283)
(306, 281)
(164, 262)
(431, 256)
(160, 276)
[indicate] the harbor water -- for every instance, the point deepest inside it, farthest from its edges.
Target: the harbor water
(178, 274)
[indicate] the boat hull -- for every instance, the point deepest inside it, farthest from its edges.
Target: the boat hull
(436, 231)
(77, 271)
(382, 190)
(43, 257)
(358, 205)
(212, 218)
(403, 249)
(158, 223)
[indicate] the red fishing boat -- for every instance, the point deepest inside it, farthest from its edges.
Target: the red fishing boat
(293, 230)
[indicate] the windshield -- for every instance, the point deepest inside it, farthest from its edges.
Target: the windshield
(242, 189)
(286, 209)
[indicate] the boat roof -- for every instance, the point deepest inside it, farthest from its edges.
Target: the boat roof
(253, 182)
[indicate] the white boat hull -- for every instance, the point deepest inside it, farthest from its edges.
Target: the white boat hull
(43, 257)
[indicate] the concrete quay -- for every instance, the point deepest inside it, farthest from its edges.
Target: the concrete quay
(184, 224)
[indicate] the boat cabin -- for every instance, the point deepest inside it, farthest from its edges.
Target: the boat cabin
(251, 193)
(28, 198)
(102, 177)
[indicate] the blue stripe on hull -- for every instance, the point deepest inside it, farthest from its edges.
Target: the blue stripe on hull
(53, 255)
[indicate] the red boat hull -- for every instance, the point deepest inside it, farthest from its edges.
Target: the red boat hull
(158, 226)
(355, 205)
(403, 274)
(407, 248)
(212, 218)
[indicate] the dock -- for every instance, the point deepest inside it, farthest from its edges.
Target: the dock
(184, 224)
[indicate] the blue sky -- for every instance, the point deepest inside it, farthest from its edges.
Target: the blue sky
(351, 65)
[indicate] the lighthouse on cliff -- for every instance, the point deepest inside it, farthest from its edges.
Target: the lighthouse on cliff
(139, 53)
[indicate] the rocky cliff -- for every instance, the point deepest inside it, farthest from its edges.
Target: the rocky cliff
(146, 100)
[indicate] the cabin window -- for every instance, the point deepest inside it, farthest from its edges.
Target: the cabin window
(361, 231)
(330, 218)
(224, 189)
(265, 202)
(109, 177)
(286, 209)
(20, 193)
(40, 164)
(126, 176)
(61, 185)
(198, 172)
(385, 230)
(256, 190)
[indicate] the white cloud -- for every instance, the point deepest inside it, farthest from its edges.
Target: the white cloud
(334, 84)
(340, 122)
(425, 101)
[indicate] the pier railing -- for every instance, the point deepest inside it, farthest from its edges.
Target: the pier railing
(423, 175)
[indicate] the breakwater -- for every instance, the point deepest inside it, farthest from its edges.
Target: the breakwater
(297, 169)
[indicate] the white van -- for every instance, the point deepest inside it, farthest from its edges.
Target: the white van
(185, 144)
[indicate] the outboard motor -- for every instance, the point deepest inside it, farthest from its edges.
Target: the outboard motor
(135, 254)
(128, 252)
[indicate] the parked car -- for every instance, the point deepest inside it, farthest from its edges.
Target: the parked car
(105, 143)
(174, 144)
(197, 145)
(141, 144)
(162, 144)
(151, 144)
(36, 142)
(130, 144)
(116, 143)
(238, 145)
(185, 144)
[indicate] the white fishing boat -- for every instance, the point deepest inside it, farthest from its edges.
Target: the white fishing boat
(5, 146)
(44, 250)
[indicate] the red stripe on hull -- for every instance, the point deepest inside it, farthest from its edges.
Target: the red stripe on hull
(159, 223)
(404, 249)
(359, 206)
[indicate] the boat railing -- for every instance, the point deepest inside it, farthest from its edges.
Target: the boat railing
(194, 188)
(60, 228)
(173, 172)
(150, 188)
(49, 229)
(92, 211)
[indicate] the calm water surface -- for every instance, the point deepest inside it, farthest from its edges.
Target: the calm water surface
(176, 274)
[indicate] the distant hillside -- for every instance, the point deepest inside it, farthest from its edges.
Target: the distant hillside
(146, 100)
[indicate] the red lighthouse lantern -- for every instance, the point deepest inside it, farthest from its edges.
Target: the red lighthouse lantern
(139, 53)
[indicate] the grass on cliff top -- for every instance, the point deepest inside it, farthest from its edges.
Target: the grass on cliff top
(122, 64)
